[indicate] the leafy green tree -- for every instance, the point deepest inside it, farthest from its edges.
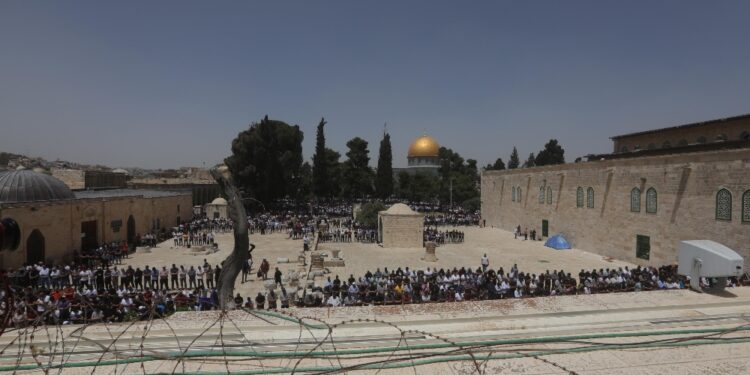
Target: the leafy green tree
(266, 160)
(320, 173)
(513, 162)
(404, 184)
(357, 175)
(384, 177)
(424, 187)
(472, 204)
(304, 188)
(552, 153)
(530, 161)
(497, 166)
(368, 214)
(458, 176)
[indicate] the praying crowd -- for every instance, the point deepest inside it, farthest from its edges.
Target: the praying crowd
(73, 294)
(443, 237)
(459, 284)
(455, 217)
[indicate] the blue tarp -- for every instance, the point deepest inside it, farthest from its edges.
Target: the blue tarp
(557, 242)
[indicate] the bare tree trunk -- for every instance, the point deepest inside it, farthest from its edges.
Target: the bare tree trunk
(232, 265)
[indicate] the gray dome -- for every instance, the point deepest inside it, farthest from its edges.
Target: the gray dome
(30, 186)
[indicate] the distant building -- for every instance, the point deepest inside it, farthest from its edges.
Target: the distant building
(56, 222)
(77, 179)
(202, 191)
(423, 156)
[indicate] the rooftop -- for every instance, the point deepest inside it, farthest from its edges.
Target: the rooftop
(119, 193)
(685, 126)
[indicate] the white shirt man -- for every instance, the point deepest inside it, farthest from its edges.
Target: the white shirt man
(485, 262)
(126, 303)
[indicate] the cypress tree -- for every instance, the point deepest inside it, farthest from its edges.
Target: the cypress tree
(384, 177)
(320, 164)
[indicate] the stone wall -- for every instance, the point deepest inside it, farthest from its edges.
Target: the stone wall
(404, 231)
(686, 187)
(60, 222)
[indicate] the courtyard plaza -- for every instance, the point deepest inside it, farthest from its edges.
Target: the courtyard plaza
(499, 245)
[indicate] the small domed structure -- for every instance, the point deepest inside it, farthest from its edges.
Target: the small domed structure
(120, 171)
(219, 201)
(30, 186)
(400, 226)
(217, 209)
(400, 209)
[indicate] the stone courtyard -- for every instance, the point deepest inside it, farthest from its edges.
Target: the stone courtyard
(499, 245)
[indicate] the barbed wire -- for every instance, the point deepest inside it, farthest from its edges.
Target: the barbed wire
(45, 344)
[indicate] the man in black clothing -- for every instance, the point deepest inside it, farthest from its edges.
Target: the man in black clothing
(277, 276)
(173, 277)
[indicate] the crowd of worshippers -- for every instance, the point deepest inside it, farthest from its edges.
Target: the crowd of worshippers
(443, 237)
(77, 293)
(296, 226)
(453, 217)
(458, 284)
(108, 253)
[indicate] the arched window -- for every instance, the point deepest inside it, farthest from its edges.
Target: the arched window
(746, 207)
(651, 203)
(701, 140)
(518, 194)
(590, 197)
(624, 149)
(635, 200)
(745, 136)
(682, 143)
(579, 197)
(513, 196)
(724, 205)
(549, 194)
(666, 144)
(541, 195)
(721, 137)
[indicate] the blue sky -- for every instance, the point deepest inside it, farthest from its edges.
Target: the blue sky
(171, 83)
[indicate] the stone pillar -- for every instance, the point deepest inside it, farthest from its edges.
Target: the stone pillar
(429, 255)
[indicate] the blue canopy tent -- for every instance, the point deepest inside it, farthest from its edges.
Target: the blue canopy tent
(557, 242)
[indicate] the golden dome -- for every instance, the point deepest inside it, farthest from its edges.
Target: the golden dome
(424, 146)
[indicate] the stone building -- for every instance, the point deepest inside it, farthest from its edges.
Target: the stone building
(217, 209)
(55, 222)
(78, 179)
(203, 191)
(635, 208)
(399, 226)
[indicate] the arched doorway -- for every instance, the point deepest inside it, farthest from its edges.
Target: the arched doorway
(131, 230)
(35, 247)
